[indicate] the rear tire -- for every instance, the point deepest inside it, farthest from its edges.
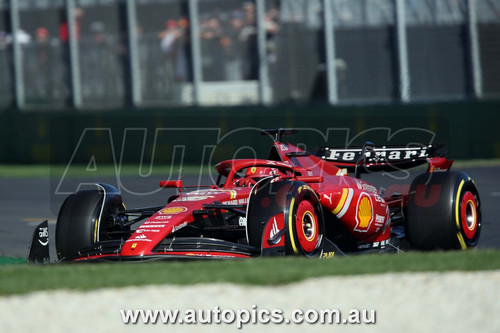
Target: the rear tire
(444, 212)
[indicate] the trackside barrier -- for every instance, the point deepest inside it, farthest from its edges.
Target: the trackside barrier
(470, 130)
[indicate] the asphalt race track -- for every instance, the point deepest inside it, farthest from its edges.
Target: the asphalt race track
(26, 202)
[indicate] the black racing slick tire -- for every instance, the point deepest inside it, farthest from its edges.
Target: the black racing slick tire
(444, 212)
(305, 222)
(300, 209)
(78, 222)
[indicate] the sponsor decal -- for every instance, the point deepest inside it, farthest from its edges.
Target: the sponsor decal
(138, 240)
(133, 246)
(364, 213)
(380, 244)
(209, 193)
(140, 236)
(304, 187)
(438, 169)
(378, 155)
(242, 201)
(242, 221)
(141, 230)
(328, 197)
(195, 198)
(152, 226)
(43, 232)
(369, 188)
(342, 172)
(378, 198)
(173, 210)
(274, 231)
(327, 255)
(163, 217)
(180, 226)
(283, 147)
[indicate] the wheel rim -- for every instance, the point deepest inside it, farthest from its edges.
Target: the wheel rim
(469, 215)
(306, 226)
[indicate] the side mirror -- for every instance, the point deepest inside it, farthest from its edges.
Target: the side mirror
(171, 184)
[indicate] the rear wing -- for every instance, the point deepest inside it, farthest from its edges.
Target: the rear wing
(370, 158)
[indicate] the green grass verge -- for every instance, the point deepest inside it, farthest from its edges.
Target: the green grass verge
(19, 279)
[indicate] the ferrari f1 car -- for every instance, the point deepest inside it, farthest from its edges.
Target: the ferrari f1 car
(293, 203)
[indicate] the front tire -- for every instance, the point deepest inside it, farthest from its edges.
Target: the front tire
(297, 206)
(87, 217)
(304, 218)
(78, 222)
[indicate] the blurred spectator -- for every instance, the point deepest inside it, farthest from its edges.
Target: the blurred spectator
(43, 84)
(249, 10)
(249, 37)
(23, 37)
(98, 30)
(42, 35)
(64, 38)
(213, 56)
(233, 47)
(63, 26)
(271, 25)
(100, 61)
(4, 40)
(302, 11)
(182, 63)
(169, 36)
(174, 42)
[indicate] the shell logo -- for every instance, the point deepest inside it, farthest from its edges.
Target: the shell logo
(364, 215)
(173, 210)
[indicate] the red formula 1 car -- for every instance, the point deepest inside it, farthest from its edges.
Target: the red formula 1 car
(293, 203)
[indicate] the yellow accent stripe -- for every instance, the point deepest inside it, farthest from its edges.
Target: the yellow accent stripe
(457, 218)
(457, 204)
(290, 226)
(343, 198)
(95, 229)
(461, 241)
